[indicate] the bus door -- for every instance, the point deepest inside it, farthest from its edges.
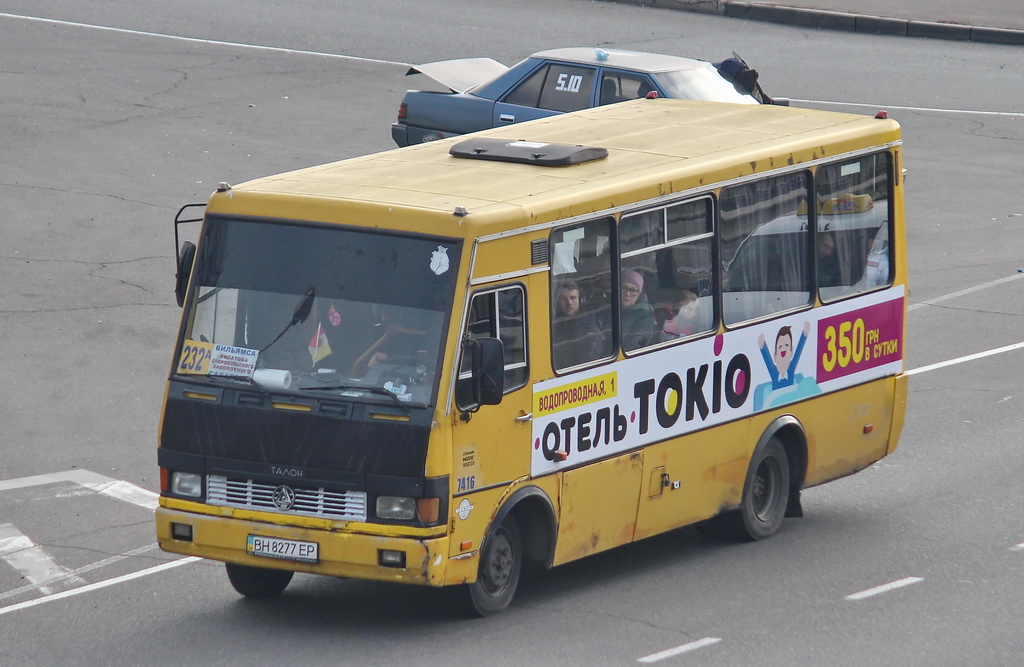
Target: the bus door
(492, 444)
(579, 423)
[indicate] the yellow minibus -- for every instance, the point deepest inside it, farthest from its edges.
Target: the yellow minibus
(441, 364)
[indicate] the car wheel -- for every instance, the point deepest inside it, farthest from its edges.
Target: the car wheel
(257, 582)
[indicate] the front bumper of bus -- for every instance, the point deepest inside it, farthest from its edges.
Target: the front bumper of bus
(411, 560)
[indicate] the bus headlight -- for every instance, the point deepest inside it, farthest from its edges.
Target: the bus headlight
(396, 507)
(186, 484)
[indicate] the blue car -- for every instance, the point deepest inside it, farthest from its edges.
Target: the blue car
(482, 93)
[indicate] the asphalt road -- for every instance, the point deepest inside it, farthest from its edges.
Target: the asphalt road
(105, 133)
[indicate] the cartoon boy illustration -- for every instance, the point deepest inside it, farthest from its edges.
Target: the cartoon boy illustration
(783, 367)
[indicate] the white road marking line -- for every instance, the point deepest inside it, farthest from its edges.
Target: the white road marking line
(126, 491)
(196, 40)
(1019, 547)
(115, 488)
(98, 585)
(880, 107)
(969, 357)
(31, 560)
(969, 290)
(692, 646)
(884, 588)
(85, 568)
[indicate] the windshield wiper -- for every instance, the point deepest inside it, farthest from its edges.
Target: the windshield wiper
(379, 391)
(299, 315)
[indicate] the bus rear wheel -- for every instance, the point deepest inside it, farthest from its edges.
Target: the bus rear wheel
(257, 582)
(765, 494)
(501, 563)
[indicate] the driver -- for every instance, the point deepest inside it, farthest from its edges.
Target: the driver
(399, 338)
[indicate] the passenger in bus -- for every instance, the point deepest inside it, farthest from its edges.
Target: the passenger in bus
(829, 274)
(637, 314)
(576, 337)
(683, 318)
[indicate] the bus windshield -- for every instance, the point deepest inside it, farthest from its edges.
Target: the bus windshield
(326, 309)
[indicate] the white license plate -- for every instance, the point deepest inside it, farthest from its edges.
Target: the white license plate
(275, 547)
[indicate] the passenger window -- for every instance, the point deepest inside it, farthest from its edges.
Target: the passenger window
(853, 214)
(567, 88)
(666, 285)
(621, 86)
(527, 93)
(766, 247)
(501, 314)
(581, 293)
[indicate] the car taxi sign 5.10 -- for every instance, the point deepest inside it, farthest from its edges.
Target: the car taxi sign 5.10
(679, 389)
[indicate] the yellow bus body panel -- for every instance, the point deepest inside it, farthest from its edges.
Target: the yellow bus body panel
(342, 553)
(598, 506)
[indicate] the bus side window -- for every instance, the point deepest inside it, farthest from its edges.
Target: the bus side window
(853, 206)
(581, 293)
(667, 252)
(501, 314)
(766, 247)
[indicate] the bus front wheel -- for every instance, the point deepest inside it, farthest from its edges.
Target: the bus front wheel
(257, 582)
(500, 565)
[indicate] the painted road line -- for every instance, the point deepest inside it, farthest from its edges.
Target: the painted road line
(32, 561)
(969, 357)
(126, 491)
(884, 588)
(685, 648)
(82, 570)
(99, 584)
(1019, 547)
(964, 292)
(196, 40)
(970, 112)
(115, 488)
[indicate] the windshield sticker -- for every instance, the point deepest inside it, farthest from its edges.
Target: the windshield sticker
(439, 260)
(233, 361)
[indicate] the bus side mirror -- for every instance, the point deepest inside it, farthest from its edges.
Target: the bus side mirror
(186, 257)
(492, 371)
(483, 382)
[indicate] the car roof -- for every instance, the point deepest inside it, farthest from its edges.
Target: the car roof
(634, 60)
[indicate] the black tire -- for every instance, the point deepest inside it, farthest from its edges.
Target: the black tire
(501, 563)
(765, 496)
(257, 582)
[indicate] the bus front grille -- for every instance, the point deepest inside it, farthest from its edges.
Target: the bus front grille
(317, 502)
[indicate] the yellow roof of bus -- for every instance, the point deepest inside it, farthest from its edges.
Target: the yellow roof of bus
(655, 147)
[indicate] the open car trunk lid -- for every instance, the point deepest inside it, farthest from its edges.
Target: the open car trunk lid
(462, 74)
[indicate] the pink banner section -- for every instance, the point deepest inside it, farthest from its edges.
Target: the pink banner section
(860, 339)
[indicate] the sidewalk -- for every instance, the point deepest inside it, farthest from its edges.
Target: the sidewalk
(992, 21)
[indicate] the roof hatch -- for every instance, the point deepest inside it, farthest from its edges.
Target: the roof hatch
(527, 152)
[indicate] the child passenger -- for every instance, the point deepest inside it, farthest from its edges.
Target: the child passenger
(685, 317)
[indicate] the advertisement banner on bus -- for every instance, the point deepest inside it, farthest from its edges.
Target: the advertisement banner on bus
(683, 388)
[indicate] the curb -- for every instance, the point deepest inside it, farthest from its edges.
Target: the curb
(852, 22)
